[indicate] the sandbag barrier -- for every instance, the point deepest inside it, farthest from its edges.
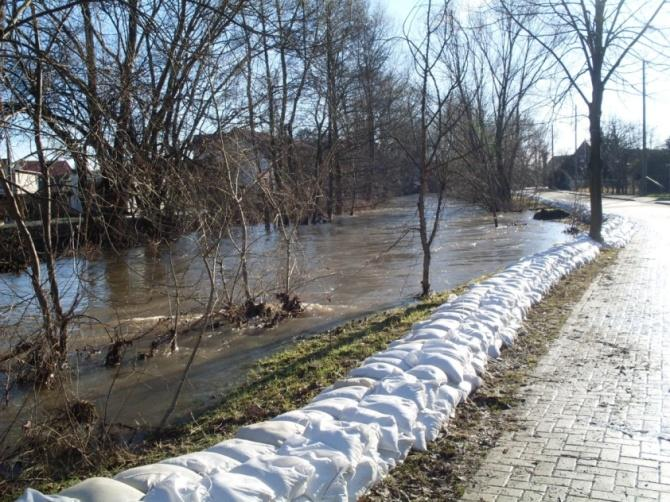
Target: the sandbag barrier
(350, 435)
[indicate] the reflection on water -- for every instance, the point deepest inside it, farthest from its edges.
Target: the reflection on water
(346, 269)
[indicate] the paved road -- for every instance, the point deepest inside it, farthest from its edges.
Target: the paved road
(595, 423)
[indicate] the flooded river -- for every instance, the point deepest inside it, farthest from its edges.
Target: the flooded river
(344, 270)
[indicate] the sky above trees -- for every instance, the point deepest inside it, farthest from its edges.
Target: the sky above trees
(622, 101)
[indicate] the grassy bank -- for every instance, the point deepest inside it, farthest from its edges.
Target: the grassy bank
(294, 376)
(279, 383)
(443, 471)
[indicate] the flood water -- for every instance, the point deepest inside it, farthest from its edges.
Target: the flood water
(343, 270)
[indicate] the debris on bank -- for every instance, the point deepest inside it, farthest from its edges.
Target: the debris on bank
(350, 436)
(550, 214)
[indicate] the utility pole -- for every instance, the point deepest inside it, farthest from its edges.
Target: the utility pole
(575, 128)
(643, 180)
(575, 158)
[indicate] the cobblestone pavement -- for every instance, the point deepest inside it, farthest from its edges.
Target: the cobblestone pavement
(595, 423)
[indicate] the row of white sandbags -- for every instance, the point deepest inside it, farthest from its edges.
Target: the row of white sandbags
(358, 429)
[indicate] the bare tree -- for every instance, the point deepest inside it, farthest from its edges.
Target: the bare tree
(129, 88)
(590, 41)
(435, 118)
(505, 67)
(48, 352)
(620, 154)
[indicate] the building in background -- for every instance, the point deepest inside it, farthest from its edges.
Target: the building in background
(29, 185)
(621, 170)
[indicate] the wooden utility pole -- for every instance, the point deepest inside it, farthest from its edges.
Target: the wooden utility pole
(575, 157)
(575, 128)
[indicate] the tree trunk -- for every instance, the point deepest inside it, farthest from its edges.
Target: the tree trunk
(425, 244)
(595, 166)
(335, 169)
(595, 112)
(423, 165)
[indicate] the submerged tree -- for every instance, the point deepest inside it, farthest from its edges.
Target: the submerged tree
(496, 95)
(437, 71)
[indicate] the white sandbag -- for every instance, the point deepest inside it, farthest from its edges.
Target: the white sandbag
(242, 449)
(333, 406)
(491, 321)
(31, 495)
(431, 388)
(404, 386)
(382, 358)
(388, 441)
(427, 373)
(507, 336)
(102, 490)
(452, 314)
(465, 387)
(331, 471)
(203, 462)
(174, 488)
(444, 323)
(366, 474)
(433, 422)
(426, 333)
(403, 410)
(483, 338)
(233, 487)
(286, 476)
(478, 330)
(464, 357)
(479, 363)
(498, 304)
(451, 367)
(465, 305)
(419, 434)
(463, 350)
(144, 477)
(451, 394)
(376, 371)
(304, 417)
(345, 382)
(352, 439)
(406, 345)
(272, 432)
(473, 345)
(494, 349)
(396, 352)
(355, 392)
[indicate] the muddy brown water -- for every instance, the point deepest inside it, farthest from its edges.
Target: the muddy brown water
(344, 270)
